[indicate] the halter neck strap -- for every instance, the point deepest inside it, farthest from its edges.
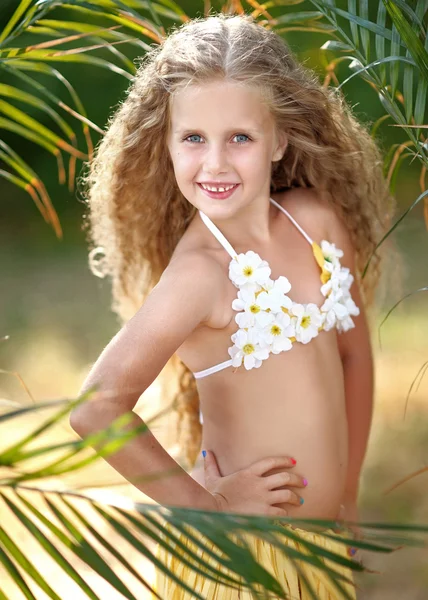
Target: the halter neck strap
(228, 247)
(218, 234)
(302, 231)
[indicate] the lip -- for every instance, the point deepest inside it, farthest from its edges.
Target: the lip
(217, 183)
(219, 195)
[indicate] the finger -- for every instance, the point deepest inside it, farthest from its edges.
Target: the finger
(275, 511)
(272, 462)
(287, 478)
(352, 551)
(279, 496)
(355, 531)
(341, 515)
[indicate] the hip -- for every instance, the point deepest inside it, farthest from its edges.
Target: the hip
(294, 557)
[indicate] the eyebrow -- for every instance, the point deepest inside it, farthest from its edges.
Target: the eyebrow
(187, 130)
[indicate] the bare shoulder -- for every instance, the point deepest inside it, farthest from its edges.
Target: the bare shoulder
(315, 212)
(193, 272)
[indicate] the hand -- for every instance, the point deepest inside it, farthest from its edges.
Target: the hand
(349, 512)
(248, 491)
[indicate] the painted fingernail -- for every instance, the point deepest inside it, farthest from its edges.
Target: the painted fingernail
(305, 482)
(353, 550)
(301, 500)
(204, 453)
(294, 461)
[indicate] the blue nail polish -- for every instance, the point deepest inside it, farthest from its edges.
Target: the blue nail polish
(353, 550)
(204, 453)
(301, 500)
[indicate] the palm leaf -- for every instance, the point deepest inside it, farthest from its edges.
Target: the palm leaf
(126, 17)
(41, 130)
(352, 8)
(216, 529)
(376, 63)
(356, 20)
(418, 199)
(299, 17)
(9, 91)
(20, 10)
(422, 89)
(46, 544)
(380, 40)
(32, 184)
(408, 35)
(365, 36)
(15, 574)
(26, 565)
(34, 67)
(27, 187)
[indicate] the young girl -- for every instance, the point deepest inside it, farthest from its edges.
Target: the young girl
(235, 200)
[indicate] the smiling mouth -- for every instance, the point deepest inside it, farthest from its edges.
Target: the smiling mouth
(218, 188)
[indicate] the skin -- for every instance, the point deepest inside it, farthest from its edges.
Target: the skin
(304, 416)
(312, 403)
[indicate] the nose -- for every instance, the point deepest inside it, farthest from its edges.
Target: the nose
(215, 159)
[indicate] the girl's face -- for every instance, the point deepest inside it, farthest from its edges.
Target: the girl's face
(222, 134)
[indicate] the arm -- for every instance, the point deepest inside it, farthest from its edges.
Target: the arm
(357, 359)
(183, 298)
(358, 376)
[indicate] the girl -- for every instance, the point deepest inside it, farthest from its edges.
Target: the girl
(235, 200)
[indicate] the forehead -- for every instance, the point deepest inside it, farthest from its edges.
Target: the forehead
(218, 103)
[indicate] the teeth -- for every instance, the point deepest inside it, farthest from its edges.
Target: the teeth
(217, 189)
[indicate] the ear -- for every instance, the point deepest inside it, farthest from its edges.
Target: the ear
(281, 145)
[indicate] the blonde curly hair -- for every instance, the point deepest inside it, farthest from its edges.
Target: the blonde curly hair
(137, 213)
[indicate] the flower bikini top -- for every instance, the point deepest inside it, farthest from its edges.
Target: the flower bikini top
(269, 320)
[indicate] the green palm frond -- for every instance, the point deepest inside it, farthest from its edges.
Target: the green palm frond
(398, 72)
(389, 54)
(141, 525)
(18, 60)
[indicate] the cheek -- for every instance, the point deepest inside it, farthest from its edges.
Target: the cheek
(184, 163)
(253, 164)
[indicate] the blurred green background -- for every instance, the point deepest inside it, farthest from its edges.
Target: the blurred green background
(58, 319)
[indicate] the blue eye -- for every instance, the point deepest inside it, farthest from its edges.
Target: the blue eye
(190, 136)
(242, 135)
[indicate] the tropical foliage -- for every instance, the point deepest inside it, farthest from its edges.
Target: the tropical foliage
(387, 49)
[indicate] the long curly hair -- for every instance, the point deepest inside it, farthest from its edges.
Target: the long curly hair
(136, 211)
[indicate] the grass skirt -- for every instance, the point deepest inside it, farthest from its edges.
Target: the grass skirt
(272, 558)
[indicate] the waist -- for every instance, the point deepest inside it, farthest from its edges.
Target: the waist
(317, 439)
(322, 496)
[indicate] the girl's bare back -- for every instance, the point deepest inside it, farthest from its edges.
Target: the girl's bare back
(294, 404)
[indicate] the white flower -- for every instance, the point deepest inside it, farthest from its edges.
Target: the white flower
(334, 310)
(247, 349)
(309, 320)
(253, 313)
(249, 269)
(350, 305)
(346, 280)
(330, 252)
(338, 308)
(340, 277)
(248, 318)
(273, 297)
(345, 324)
(278, 333)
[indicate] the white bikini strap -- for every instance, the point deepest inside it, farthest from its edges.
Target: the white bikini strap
(211, 370)
(302, 231)
(218, 234)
